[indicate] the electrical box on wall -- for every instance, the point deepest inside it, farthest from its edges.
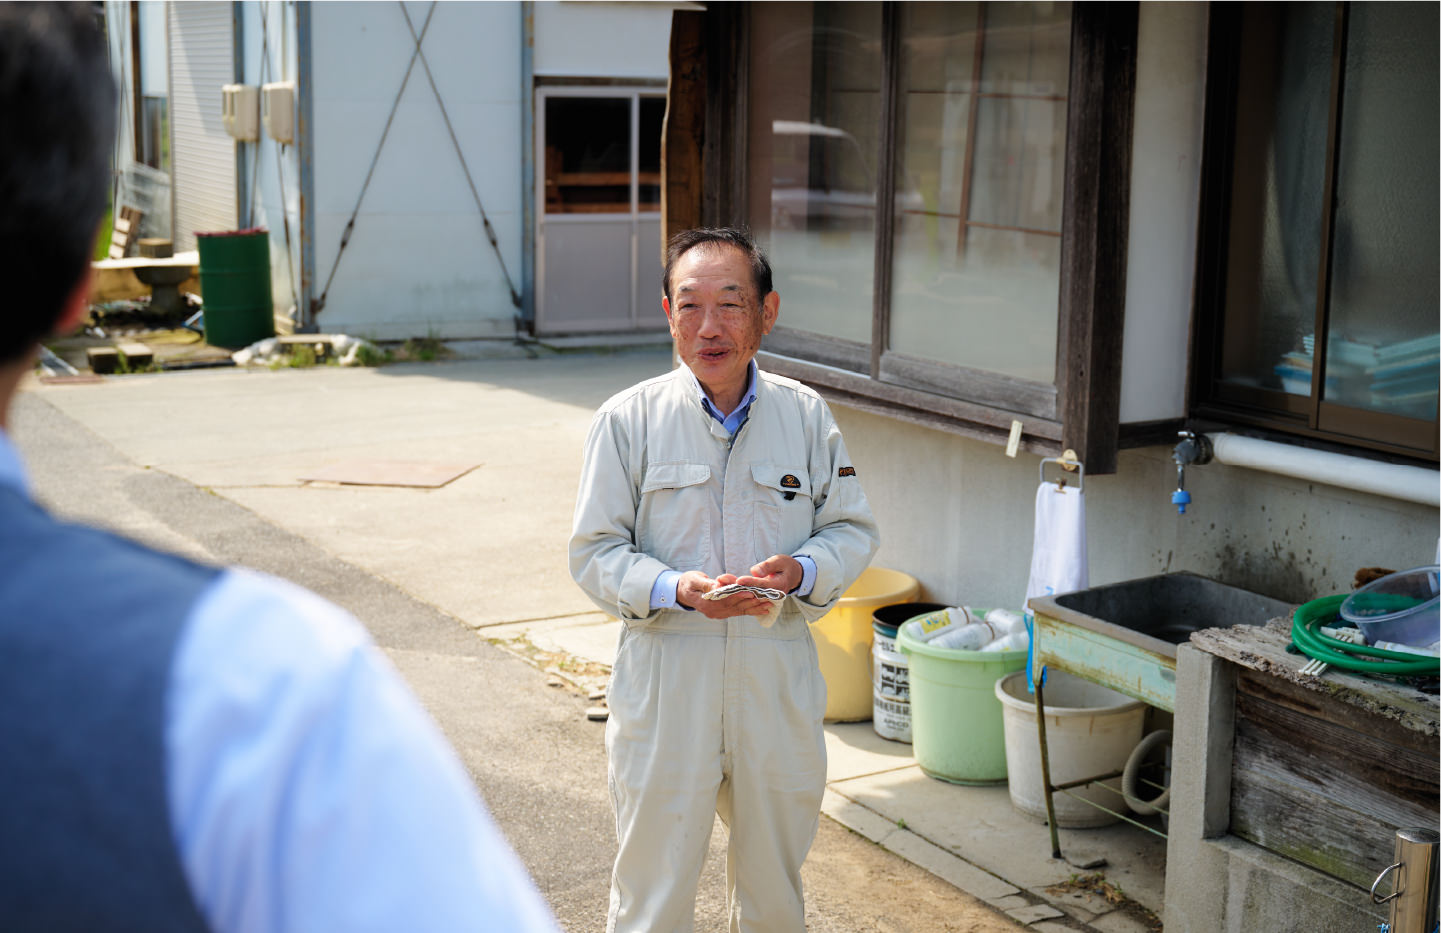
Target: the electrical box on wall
(240, 109)
(278, 111)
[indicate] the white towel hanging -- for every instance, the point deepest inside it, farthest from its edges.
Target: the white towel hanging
(1058, 556)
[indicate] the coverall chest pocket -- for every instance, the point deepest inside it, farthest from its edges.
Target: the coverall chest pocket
(673, 521)
(784, 511)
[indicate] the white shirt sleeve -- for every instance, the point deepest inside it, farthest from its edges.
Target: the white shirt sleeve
(308, 788)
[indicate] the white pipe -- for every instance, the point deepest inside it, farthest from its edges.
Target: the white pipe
(1413, 484)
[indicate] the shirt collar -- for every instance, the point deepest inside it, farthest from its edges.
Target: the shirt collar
(746, 399)
(12, 470)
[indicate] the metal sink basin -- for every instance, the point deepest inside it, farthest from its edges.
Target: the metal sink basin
(1124, 635)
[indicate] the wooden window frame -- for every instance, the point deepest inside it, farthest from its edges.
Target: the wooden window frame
(1308, 419)
(705, 138)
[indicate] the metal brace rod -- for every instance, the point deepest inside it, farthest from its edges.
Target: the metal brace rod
(319, 303)
(469, 180)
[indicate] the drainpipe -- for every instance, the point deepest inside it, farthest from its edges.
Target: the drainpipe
(237, 52)
(1395, 481)
(527, 164)
(305, 154)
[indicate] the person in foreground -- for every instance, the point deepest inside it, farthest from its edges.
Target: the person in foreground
(716, 473)
(185, 747)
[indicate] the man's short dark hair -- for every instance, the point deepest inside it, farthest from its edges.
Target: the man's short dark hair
(687, 240)
(57, 128)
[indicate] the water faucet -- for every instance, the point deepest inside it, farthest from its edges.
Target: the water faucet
(1193, 448)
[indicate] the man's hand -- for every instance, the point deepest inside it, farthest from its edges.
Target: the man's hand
(781, 572)
(692, 584)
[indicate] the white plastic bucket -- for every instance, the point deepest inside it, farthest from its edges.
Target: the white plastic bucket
(890, 694)
(1090, 731)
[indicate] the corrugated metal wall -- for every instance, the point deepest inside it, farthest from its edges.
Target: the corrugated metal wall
(201, 61)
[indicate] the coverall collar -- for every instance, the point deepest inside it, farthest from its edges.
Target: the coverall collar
(735, 419)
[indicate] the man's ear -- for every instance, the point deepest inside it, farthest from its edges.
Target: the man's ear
(669, 318)
(76, 304)
(770, 309)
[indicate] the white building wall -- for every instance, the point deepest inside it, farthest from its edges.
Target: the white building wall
(602, 40)
(1165, 190)
(270, 182)
(418, 262)
(201, 62)
(959, 515)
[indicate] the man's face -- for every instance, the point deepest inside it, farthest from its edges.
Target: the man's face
(716, 317)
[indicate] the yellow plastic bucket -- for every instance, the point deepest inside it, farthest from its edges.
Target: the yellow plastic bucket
(843, 640)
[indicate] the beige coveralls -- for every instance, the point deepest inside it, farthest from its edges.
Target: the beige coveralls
(714, 716)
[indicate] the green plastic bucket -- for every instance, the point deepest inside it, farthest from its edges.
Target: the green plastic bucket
(958, 731)
(235, 280)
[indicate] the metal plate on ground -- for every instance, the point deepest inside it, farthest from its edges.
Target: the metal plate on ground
(81, 379)
(389, 473)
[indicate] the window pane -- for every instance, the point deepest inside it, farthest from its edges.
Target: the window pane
(152, 135)
(652, 116)
(1277, 195)
(1382, 341)
(980, 183)
(587, 155)
(814, 110)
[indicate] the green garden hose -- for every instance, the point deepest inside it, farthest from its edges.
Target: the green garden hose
(1305, 633)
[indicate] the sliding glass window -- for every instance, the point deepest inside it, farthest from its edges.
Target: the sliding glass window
(979, 181)
(1319, 299)
(906, 172)
(812, 160)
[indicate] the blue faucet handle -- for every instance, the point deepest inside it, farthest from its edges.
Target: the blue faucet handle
(1180, 499)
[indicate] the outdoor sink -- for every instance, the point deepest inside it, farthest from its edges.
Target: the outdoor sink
(1124, 635)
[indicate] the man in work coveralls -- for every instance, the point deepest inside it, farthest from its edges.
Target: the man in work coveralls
(716, 473)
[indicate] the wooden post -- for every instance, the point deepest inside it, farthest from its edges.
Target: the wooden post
(1095, 230)
(683, 133)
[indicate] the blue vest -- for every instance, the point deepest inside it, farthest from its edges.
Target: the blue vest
(88, 627)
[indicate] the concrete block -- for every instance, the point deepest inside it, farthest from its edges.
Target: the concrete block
(948, 867)
(1033, 913)
(594, 642)
(857, 818)
(1264, 891)
(1200, 790)
(103, 360)
(853, 749)
(1118, 921)
(979, 825)
(137, 355)
(1080, 905)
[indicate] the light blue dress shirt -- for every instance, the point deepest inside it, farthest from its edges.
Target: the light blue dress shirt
(308, 788)
(663, 593)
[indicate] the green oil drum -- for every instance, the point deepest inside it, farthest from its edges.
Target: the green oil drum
(235, 280)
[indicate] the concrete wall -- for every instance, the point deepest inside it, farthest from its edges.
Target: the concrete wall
(269, 182)
(418, 262)
(959, 515)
